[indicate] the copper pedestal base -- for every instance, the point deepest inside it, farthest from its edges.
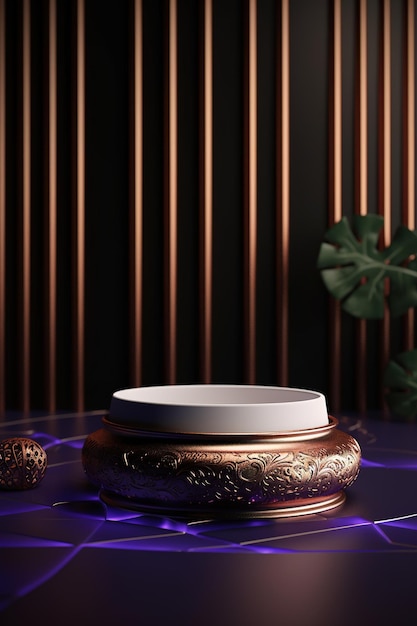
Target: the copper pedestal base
(301, 507)
(236, 476)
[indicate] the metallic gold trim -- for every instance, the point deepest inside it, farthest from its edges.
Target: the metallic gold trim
(137, 208)
(222, 479)
(409, 149)
(283, 192)
(304, 507)
(255, 438)
(206, 209)
(52, 209)
(171, 194)
(26, 207)
(335, 204)
(80, 210)
(2, 206)
(361, 186)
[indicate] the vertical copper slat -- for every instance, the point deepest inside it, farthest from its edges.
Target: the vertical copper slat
(207, 192)
(336, 131)
(52, 208)
(361, 183)
(137, 209)
(171, 194)
(80, 209)
(335, 200)
(250, 194)
(409, 149)
(362, 142)
(283, 192)
(385, 198)
(2, 206)
(26, 207)
(385, 163)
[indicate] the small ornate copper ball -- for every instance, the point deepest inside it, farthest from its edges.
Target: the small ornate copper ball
(22, 463)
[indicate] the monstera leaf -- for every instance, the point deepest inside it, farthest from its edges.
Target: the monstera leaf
(354, 270)
(401, 379)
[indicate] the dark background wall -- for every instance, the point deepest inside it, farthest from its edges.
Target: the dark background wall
(108, 139)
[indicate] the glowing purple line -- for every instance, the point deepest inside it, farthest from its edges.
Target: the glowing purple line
(54, 570)
(383, 535)
(308, 532)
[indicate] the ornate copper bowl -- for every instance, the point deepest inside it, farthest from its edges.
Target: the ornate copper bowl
(228, 475)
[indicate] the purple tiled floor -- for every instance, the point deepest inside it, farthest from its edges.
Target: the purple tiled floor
(53, 525)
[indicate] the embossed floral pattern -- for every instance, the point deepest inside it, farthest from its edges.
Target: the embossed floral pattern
(184, 475)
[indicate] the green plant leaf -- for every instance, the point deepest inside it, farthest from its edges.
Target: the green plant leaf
(354, 270)
(401, 379)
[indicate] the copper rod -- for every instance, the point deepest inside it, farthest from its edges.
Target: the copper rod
(252, 188)
(409, 150)
(361, 371)
(171, 194)
(386, 123)
(52, 208)
(26, 207)
(250, 193)
(361, 184)
(385, 164)
(283, 193)
(2, 206)
(335, 200)
(138, 191)
(207, 193)
(409, 212)
(80, 208)
(362, 206)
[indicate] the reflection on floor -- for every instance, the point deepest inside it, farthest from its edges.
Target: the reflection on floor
(64, 514)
